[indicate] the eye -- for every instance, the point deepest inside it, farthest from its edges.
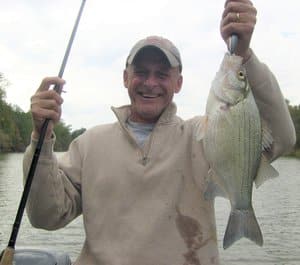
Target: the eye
(162, 75)
(140, 72)
(241, 76)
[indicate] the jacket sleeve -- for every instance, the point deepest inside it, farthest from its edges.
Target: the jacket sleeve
(55, 195)
(272, 107)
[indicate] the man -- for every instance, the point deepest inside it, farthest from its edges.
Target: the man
(139, 182)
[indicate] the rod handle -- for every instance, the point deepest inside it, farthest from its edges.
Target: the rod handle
(233, 42)
(7, 256)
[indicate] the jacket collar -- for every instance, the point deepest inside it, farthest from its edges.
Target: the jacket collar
(122, 113)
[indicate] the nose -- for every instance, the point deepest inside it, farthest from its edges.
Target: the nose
(151, 81)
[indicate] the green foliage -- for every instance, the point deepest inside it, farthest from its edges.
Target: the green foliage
(8, 130)
(295, 114)
(78, 132)
(3, 84)
(24, 125)
(16, 127)
(63, 136)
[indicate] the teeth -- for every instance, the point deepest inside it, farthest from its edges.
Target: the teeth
(146, 95)
(149, 96)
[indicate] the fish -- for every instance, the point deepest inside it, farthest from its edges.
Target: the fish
(233, 138)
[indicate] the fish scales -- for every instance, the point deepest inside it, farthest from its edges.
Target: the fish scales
(231, 142)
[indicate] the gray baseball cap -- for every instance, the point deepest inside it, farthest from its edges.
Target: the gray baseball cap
(166, 46)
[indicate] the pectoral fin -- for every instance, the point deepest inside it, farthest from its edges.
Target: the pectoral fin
(201, 128)
(265, 172)
(213, 188)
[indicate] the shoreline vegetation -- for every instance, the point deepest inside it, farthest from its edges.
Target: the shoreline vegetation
(16, 126)
(295, 154)
(295, 114)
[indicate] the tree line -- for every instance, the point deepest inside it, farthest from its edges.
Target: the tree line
(295, 114)
(16, 127)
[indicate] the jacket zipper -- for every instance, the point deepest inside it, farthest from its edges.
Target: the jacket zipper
(143, 151)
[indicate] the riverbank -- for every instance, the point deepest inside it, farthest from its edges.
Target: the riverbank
(294, 154)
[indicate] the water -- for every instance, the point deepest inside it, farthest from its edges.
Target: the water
(276, 204)
(277, 207)
(68, 239)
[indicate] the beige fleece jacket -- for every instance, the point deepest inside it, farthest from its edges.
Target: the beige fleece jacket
(142, 206)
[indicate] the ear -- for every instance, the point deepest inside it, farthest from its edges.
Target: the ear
(125, 78)
(178, 84)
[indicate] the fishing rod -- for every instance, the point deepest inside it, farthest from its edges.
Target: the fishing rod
(233, 42)
(7, 255)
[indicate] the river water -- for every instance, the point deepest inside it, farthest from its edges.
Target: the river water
(276, 204)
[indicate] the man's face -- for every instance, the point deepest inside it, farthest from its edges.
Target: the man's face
(151, 84)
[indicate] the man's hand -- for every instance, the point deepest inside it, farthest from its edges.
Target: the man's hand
(239, 17)
(46, 104)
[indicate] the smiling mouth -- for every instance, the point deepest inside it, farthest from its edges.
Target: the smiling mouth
(149, 96)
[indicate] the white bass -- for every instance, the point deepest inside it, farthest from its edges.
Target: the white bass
(233, 145)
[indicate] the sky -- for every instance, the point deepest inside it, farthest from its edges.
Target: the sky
(34, 35)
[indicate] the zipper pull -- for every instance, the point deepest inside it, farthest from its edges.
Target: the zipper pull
(144, 160)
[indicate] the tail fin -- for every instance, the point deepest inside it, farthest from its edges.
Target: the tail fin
(242, 223)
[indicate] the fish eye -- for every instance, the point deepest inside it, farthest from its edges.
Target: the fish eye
(241, 76)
